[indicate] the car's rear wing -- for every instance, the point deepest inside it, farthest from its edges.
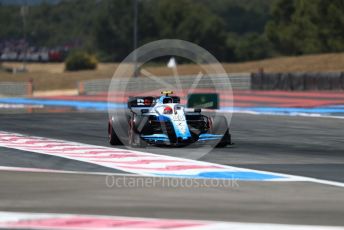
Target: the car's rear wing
(137, 102)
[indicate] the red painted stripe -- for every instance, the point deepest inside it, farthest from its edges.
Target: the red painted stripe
(274, 99)
(291, 104)
(239, 104)
(176, 167)
(139, 162)
(92, 153)
(278, 93)
(51, 145)
(110, 156)
(76, 222)
(309, 104)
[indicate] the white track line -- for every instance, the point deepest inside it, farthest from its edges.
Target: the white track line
(41, 170)
(19, 220)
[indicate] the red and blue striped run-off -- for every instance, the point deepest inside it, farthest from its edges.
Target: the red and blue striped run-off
(136, 162)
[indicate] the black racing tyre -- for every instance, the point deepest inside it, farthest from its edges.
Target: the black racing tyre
(220, 126)
(226, 140)
(113, 138)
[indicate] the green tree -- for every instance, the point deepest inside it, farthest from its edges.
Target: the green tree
(191, 21)
(113, 29)
(279, 29)
(10, 22)
(251, 46)
(332, 25)
(241, 16)
(305, 27)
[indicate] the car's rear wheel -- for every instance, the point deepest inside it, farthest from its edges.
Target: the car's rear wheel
(112, 136)
(226, 140)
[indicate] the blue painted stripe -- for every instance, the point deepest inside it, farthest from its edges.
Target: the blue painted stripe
(103, 106)
(63, 103)
(229, 175)
(333, 107)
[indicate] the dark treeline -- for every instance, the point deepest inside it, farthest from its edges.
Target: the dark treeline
(233, 30)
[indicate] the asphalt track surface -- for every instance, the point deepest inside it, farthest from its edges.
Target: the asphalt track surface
(304, 146)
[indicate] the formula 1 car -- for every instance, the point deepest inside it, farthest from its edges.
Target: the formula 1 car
(164, 121)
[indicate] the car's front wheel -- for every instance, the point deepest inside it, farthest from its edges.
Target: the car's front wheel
(220, 127)
(133, 137)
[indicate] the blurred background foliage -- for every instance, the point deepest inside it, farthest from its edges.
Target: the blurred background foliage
(233, 30)
(79, 60)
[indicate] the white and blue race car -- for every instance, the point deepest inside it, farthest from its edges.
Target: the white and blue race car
(164, 121)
